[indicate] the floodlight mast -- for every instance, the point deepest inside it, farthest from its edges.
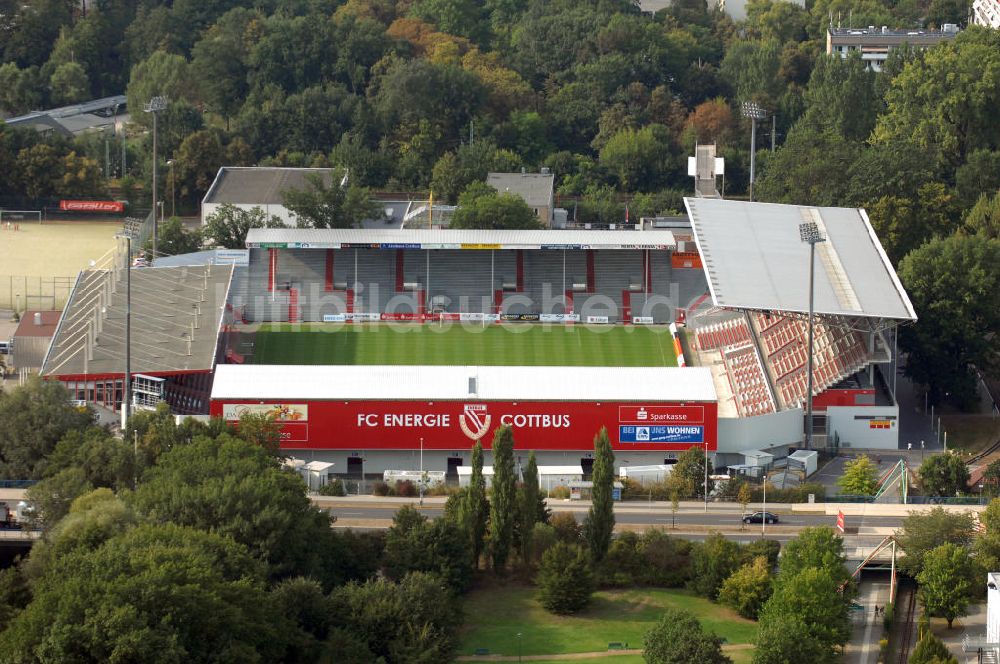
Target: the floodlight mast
(155, 106)
(810, 233)
(754, 112)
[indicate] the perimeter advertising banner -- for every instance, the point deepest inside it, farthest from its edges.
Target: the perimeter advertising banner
(457, 425)
(92, 206)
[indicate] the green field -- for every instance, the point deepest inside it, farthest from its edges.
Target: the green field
(494, 617)
(504, 345)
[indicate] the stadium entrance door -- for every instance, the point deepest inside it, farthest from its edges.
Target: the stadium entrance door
(451, 475)
(587, 463)
(355, 468)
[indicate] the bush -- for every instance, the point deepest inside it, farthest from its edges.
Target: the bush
(560, 492)
(679, 639)
(746, 589)
(543, 537)
(565, 581)
(650, 559)
(567, 528)
(380, 489)
(332, 488)
(441, 489)
(406, 489)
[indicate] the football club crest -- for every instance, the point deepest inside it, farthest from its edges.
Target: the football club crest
(475, 421)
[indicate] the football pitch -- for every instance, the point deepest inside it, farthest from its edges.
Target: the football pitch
(494, 345)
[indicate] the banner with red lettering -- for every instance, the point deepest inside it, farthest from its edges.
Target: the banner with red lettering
(92, 206)
(457, 425)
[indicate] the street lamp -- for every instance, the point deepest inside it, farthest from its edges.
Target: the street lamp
(706, 476)
(173, 180)
(754, 112)
(421, 472)
(155, 106)
(809, 233)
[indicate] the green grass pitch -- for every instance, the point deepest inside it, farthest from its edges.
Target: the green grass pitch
(494, 345)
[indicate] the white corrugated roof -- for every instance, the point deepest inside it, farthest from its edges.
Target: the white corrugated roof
(754, 259)
(446, 238)
(418, 383)
(560, 470)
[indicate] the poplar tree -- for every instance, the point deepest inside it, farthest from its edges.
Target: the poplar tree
(475, 509)
(600, 521)
(504, 493)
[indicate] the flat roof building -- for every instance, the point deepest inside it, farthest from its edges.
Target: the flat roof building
(536, 189)
(986, 13)
(875, 44)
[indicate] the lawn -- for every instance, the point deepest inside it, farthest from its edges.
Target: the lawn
(494, 617)
(504, 345)
(970, 433)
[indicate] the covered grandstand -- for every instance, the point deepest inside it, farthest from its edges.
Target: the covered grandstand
(753, 333)
(313, 275)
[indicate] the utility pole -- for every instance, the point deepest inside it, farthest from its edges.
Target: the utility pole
(155, 106)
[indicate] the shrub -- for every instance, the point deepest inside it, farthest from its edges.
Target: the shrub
(332, 488)
(559, 492)
(406, 489)
(746, 589)
(567, 528)
(565, 581)
(380, 489)
(441, 489)
(679, 638)
(543, 537)
(650, 559)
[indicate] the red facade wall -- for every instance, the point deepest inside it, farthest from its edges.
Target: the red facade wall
(843, 398)
(455, 425)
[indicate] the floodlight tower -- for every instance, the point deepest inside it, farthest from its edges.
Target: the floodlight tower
(810, 233)
(754, 112)
(155, 106)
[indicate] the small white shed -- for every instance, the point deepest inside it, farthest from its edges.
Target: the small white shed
(465, 475)
(431, 477)
(316, 473)
(550, 477)
(808, 459)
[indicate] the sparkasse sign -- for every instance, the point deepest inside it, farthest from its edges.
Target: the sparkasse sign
(457, 425)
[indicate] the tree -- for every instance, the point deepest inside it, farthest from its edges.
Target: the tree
(80, 176)
(502, 500)
(481, 206)
(838, 84)
(476, 509)
(337, 205)
(923, 531)
(415, 545)
(956, 293)
(409, 621)
(51, 498)
(227, 227)
(679, 639)
(860, 477)
(785, 638)
(69, 83)
(174, 240)
(532, 505)
(565, 580)
(944, 475)
(197, 163)
(106, 461)
(639, 158)
(261, 429)
(33, 419)
(156, 593)
(946, 581)
(600, 522)
(690, 471)
(743, 497)
(812, 596)
(712, 562)
(984, 217)
(746, 589)
(816, 547)
(235, 488)
(931, 650)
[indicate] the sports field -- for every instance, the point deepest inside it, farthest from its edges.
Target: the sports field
(54, 249)
(494, 345)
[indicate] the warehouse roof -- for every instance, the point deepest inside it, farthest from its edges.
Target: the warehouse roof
(260, 185)
(754, 259)
(535, 188)
(418, 383)
(406, 238)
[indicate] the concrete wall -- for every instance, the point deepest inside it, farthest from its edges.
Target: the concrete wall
(763, 432)
(863, 426)
(279, 211)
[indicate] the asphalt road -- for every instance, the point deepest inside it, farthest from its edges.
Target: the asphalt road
(635, 514)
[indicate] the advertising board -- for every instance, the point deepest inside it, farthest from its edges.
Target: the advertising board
(456, 425)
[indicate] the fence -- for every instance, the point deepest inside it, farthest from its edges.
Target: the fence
(21, 292)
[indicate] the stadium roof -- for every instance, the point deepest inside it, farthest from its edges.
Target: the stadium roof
(408, 238)
(260, 185)
(176, 317)
(754, 259)
(421, 383)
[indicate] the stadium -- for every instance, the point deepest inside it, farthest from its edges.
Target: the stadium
(383, 349)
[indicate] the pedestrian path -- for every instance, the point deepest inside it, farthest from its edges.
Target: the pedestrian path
(867, 626)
